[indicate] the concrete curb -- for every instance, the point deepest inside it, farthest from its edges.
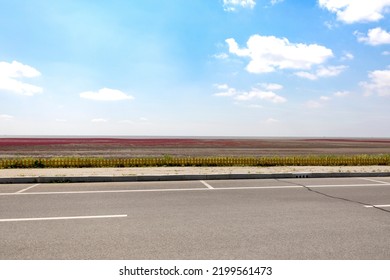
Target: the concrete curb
(183, 177)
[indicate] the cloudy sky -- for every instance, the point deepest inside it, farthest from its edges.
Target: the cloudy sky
(195, 68)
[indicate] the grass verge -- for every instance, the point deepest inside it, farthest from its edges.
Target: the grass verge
(81, 162)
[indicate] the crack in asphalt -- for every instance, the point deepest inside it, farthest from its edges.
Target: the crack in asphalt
(334, 197)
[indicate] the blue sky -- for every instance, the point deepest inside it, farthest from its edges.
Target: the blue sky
(195, 68)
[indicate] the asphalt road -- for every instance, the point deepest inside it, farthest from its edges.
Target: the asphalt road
(344, 218)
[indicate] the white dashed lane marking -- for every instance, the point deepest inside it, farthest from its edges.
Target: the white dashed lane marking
(375, 181)
(26, 189)
(62, 218)
(207, 185)
(378, 206)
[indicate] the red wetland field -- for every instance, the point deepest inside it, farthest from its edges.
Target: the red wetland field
(121, 147)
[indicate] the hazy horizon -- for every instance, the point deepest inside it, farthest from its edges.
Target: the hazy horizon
(183, 137)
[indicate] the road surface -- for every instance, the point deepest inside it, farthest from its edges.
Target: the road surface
(343, 218)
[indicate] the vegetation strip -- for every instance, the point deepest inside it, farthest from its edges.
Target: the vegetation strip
(81, 162)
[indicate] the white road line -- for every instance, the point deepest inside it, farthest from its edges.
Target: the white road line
(376, 181)
(379, 206)
(148, 190)
(26, 189)
(207, 185)
(351, 185)
(257, 188)
(62, 218)
(113, 191)
(192, 189)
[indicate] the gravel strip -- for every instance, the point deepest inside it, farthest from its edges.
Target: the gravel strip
(53, 172)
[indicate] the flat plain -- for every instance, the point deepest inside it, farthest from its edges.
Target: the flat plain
(120, 147)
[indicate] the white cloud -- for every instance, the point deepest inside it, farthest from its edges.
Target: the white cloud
(347, 56)
(225, 90)
(19, 87)
(221, 56)
(376, 36)
(322, 72)
(5, 117)
(271, 86)
(330, 71)
(386, 53)
(379, 83)
(106, 94)
(325, 98)
(352, 11)
(17, 70)
(274, 2)
(313, 104)
(233, 5)
(330, 25)
(341, 93)
(254, 94)
(10, 73)
(269, 53)
(99, 120)
(260, 94)
(61, 120)
(306, 75)
(221, 86)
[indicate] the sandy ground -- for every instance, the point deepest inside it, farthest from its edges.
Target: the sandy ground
(4, 173)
